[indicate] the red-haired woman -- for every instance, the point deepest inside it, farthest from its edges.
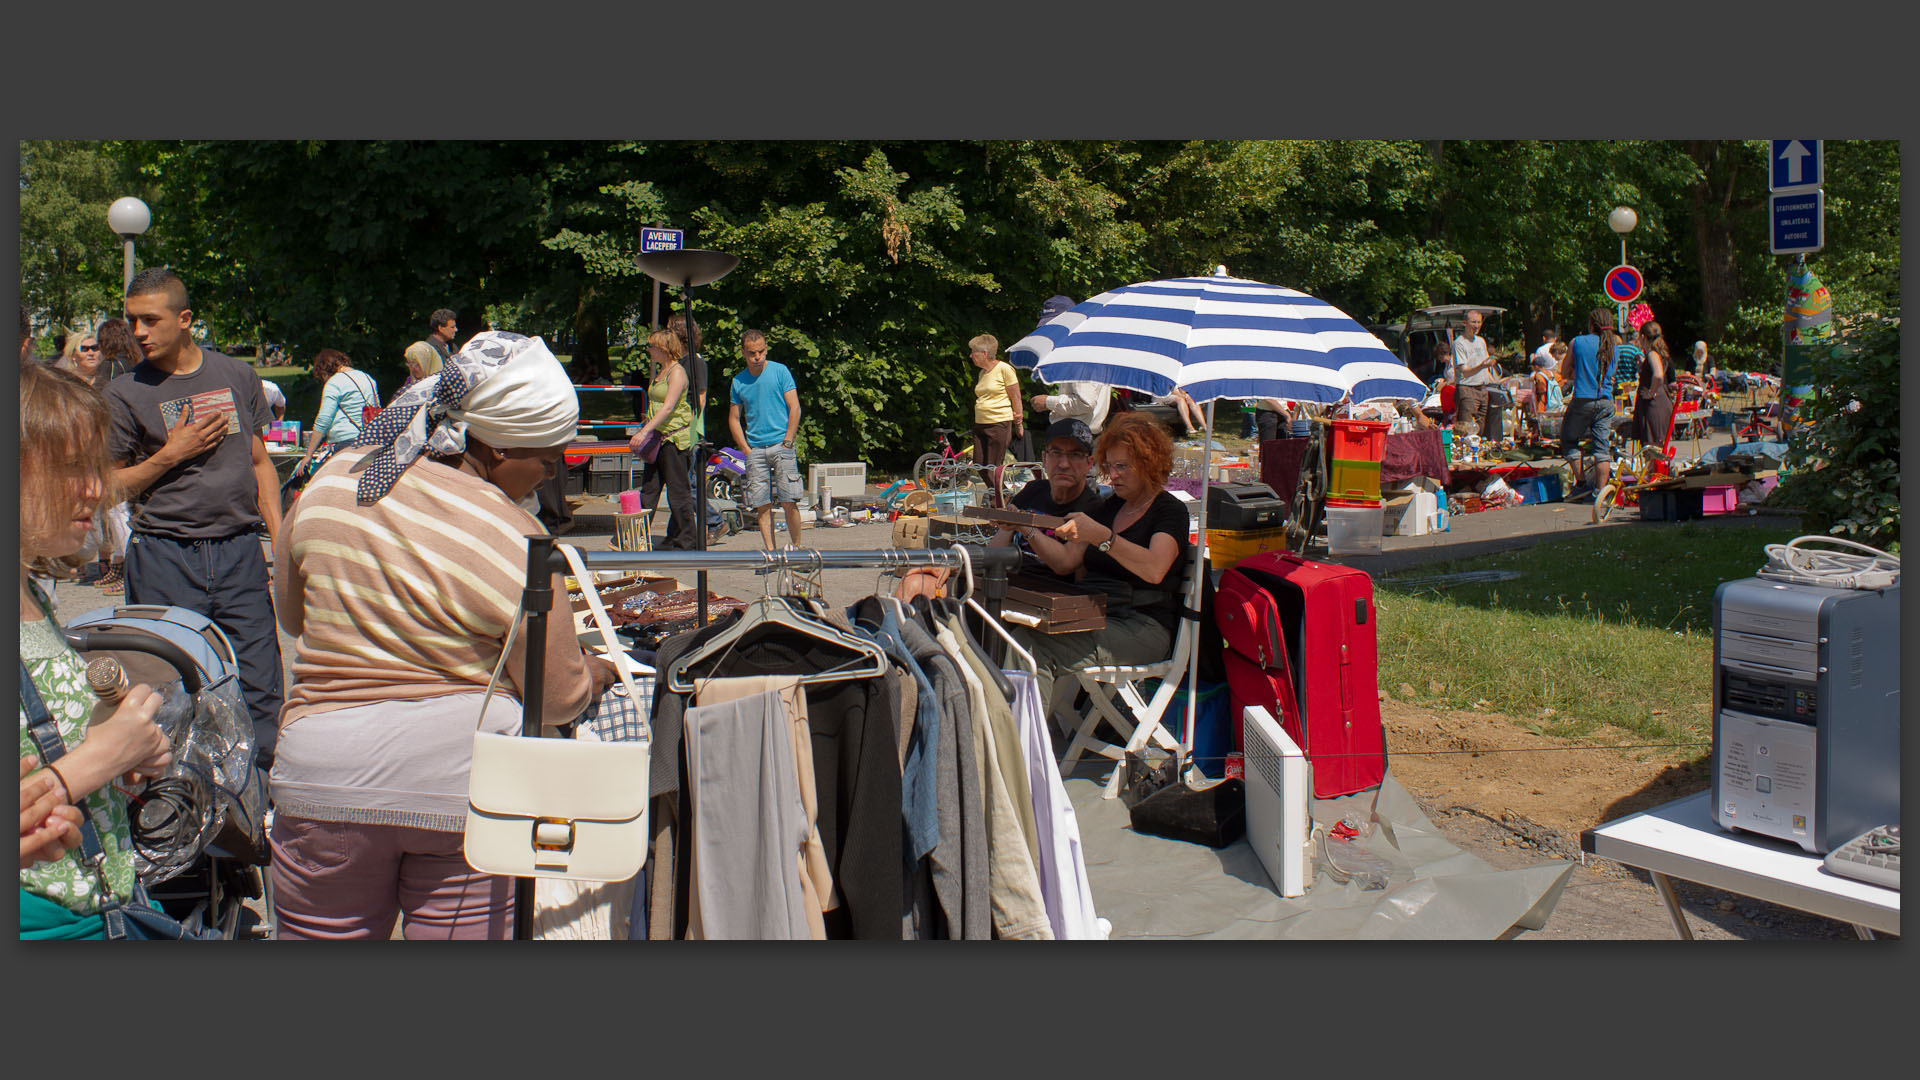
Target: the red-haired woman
(1130, 548)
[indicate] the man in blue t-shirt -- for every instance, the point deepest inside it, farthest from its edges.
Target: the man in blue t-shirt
(1590, 409)
(765, 418)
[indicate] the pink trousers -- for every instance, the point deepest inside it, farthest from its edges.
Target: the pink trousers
(340, 881)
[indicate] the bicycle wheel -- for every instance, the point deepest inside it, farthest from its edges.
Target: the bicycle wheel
(1603, 502)
(1309, 497)
(921, 465)
(946, 476)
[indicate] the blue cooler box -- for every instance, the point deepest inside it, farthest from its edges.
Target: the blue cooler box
(1538, 489)
(1213, 734)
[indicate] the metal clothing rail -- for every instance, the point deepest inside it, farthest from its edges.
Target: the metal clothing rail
(544, 560)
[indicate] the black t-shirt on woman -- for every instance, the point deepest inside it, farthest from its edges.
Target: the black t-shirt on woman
(1125, 589)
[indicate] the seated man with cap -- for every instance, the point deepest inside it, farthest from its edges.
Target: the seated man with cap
(1068, 462)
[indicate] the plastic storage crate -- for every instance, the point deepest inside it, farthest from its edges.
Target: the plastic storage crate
(1353, 529)
(1671, 504)
(1355, 480)
(1720, 499)
(1359, 440)
(1544, 487)
(1226, 547)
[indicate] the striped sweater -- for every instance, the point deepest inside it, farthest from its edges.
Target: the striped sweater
(409, 598)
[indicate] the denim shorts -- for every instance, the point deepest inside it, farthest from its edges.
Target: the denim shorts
(1588, 416)
(772, 471)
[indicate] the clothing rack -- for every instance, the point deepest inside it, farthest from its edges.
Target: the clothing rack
(992, 566)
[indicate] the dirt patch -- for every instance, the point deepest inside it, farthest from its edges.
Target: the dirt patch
(1489, 764)
(1513, 798)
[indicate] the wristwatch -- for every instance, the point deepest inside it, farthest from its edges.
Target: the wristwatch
(788, 443)
(1106, 544)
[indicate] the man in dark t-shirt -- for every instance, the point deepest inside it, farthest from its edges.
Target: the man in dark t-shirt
(1068, 461)
(441, 328)
(187, 451)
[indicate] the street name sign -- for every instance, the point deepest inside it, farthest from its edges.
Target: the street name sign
(1623, 284)
(661, 239)
(1798, 220)
(1797, 163)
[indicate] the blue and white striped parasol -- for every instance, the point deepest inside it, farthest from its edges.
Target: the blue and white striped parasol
(1217, 337)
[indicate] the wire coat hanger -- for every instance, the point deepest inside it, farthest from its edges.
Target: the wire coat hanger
(776, 611)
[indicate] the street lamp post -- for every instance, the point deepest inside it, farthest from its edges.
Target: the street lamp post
(129, 217)
(1622, 220)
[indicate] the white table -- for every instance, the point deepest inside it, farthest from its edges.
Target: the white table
(1681, 839)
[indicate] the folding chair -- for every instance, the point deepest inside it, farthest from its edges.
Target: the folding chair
(1140, 720)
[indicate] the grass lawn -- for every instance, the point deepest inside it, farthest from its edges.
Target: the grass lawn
(1613, 629)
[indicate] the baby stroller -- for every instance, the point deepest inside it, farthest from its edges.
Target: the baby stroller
(199, 830)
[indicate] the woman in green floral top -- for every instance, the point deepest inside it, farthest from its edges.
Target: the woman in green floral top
(63, 484)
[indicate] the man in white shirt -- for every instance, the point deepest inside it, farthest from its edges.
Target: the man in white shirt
(1085, 401)
(1544, 354)
(1472, 375)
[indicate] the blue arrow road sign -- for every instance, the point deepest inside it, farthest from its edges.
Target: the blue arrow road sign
(661, 239)
(1798, 220)
(1797, 163)
(1623, 284)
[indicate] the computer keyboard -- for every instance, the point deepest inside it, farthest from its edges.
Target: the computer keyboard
(1872, 857)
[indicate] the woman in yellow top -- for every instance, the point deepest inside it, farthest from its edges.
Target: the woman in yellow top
(671, 416)
(997, 415)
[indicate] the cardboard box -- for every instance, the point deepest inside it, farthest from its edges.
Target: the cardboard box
(1409, 514)
(909, 532)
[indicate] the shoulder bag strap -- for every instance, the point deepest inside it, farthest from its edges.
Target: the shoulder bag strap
(93, 855)
(506, 650)
(354, 414)
(598, 614)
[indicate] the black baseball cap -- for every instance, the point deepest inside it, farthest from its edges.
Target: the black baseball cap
(1072, 428)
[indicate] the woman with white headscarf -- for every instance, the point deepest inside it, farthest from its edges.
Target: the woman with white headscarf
(400, 570)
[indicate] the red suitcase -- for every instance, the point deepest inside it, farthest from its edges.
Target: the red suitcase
(1249, 619)
(1271, 688)
(1327, 619)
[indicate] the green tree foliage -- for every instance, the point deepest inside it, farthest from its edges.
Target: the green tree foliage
(1846, 462)
(70, 260)
(869, 264)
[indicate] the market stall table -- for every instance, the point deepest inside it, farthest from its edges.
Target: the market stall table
(1680, 839)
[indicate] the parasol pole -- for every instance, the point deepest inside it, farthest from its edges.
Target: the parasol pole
(1195, 589)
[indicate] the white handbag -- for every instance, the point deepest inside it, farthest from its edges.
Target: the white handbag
(553, 807)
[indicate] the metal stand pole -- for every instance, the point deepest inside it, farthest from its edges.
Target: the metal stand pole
(126, 277)
(538, 599)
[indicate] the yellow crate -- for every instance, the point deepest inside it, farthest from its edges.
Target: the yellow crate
(1226, 547)
(1354, 480)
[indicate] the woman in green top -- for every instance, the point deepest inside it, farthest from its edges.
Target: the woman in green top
(671, 416)
(63, 484)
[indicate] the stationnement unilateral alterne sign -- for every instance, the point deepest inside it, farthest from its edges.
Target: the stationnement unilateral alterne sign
(1623, 284)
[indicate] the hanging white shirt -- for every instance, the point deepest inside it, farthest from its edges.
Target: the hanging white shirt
(1064, 887)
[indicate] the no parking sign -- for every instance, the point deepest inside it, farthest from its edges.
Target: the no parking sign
(1623, 284)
